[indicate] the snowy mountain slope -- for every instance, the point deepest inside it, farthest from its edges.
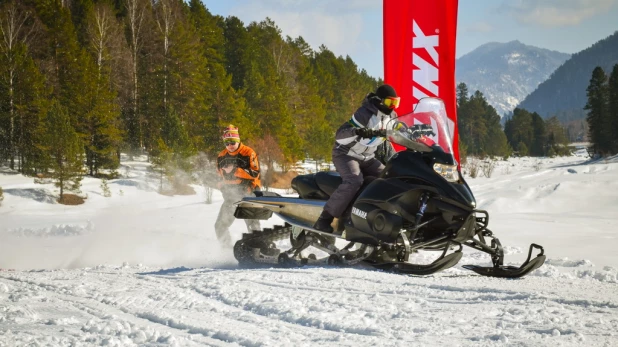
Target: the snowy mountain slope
(507, 72)
(565, 92)
(145, 269)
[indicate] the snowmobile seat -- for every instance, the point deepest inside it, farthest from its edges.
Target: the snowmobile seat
(328, 181)
(321, 185)
(316, 186)
(307, 188)
(260, 193)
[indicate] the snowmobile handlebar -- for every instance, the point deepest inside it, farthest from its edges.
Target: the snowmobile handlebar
(418, 130)
(370, 133)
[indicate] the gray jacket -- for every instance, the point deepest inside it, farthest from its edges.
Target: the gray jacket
(346, 140)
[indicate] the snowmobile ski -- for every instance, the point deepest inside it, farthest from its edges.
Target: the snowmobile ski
(421, 270)
(511, 271)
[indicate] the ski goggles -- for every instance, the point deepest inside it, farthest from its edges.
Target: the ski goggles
(391, 102)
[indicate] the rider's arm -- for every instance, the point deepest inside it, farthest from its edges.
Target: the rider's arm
(219, 162)
(253, 167)
(348, 132)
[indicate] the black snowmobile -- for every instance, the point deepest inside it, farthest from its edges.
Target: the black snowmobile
(419, 203)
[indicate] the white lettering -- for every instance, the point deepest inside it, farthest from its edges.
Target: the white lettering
(359, 213)
(429, 43)
(427, 74)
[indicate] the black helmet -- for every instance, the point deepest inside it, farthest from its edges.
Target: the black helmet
(385, 91)
(385, 98)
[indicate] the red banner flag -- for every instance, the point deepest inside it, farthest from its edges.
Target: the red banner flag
(419, 54)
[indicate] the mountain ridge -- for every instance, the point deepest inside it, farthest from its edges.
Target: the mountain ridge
(507, 72)
(564, 92)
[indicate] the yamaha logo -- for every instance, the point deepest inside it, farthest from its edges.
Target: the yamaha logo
(359, 213)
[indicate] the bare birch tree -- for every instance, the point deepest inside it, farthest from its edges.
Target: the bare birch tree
(101, 34)
(135, 19)
(165, 18)
(109, 49)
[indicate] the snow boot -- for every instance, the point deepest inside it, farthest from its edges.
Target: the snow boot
(323, 222)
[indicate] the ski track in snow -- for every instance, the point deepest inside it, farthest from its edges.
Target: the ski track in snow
(78, 279)
(307, 306)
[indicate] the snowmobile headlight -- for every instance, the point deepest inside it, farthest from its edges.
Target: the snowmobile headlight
(449, 172)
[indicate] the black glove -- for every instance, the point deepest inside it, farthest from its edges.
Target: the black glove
(370, 133)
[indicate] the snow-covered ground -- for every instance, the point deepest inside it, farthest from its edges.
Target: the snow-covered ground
(140, 268)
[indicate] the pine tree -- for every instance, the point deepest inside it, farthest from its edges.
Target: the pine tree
(16, 28)
(222, 103)
(175, 136)
(172, 151)
(522, 149)
(497, 144)
(462, 117)
(102, 123)
(181, 77)
(238, 48)
(613, 107)
(79, 84)
(161, 158)
(80, 16)
(519, 131)
(331, 74)
(474, 125)
(105, 188)
(310, 111)
(494, 141)
(171, 155)
(267, 93)
(63, 51)
(189, 73)
(82, 78)
(325, 67)
(31, 103)
(321, 140)
(462, 94)
(598, 112)
(64, 150)
(538, 146)
(479, 124)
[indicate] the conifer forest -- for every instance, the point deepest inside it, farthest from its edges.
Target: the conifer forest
(82, 81)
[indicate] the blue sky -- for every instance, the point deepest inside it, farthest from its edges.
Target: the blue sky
(354, 27)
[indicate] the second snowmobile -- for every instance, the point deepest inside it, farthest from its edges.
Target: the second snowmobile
(420, 202)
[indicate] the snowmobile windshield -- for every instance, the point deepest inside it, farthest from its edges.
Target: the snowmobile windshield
(426, 129)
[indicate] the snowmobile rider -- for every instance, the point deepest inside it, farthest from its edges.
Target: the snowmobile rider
(239, 170)
(354, 150)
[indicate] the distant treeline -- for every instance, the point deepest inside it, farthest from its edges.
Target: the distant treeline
(524, 133)
(161, 77)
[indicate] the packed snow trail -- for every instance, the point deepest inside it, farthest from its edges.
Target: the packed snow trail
(306, 306)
